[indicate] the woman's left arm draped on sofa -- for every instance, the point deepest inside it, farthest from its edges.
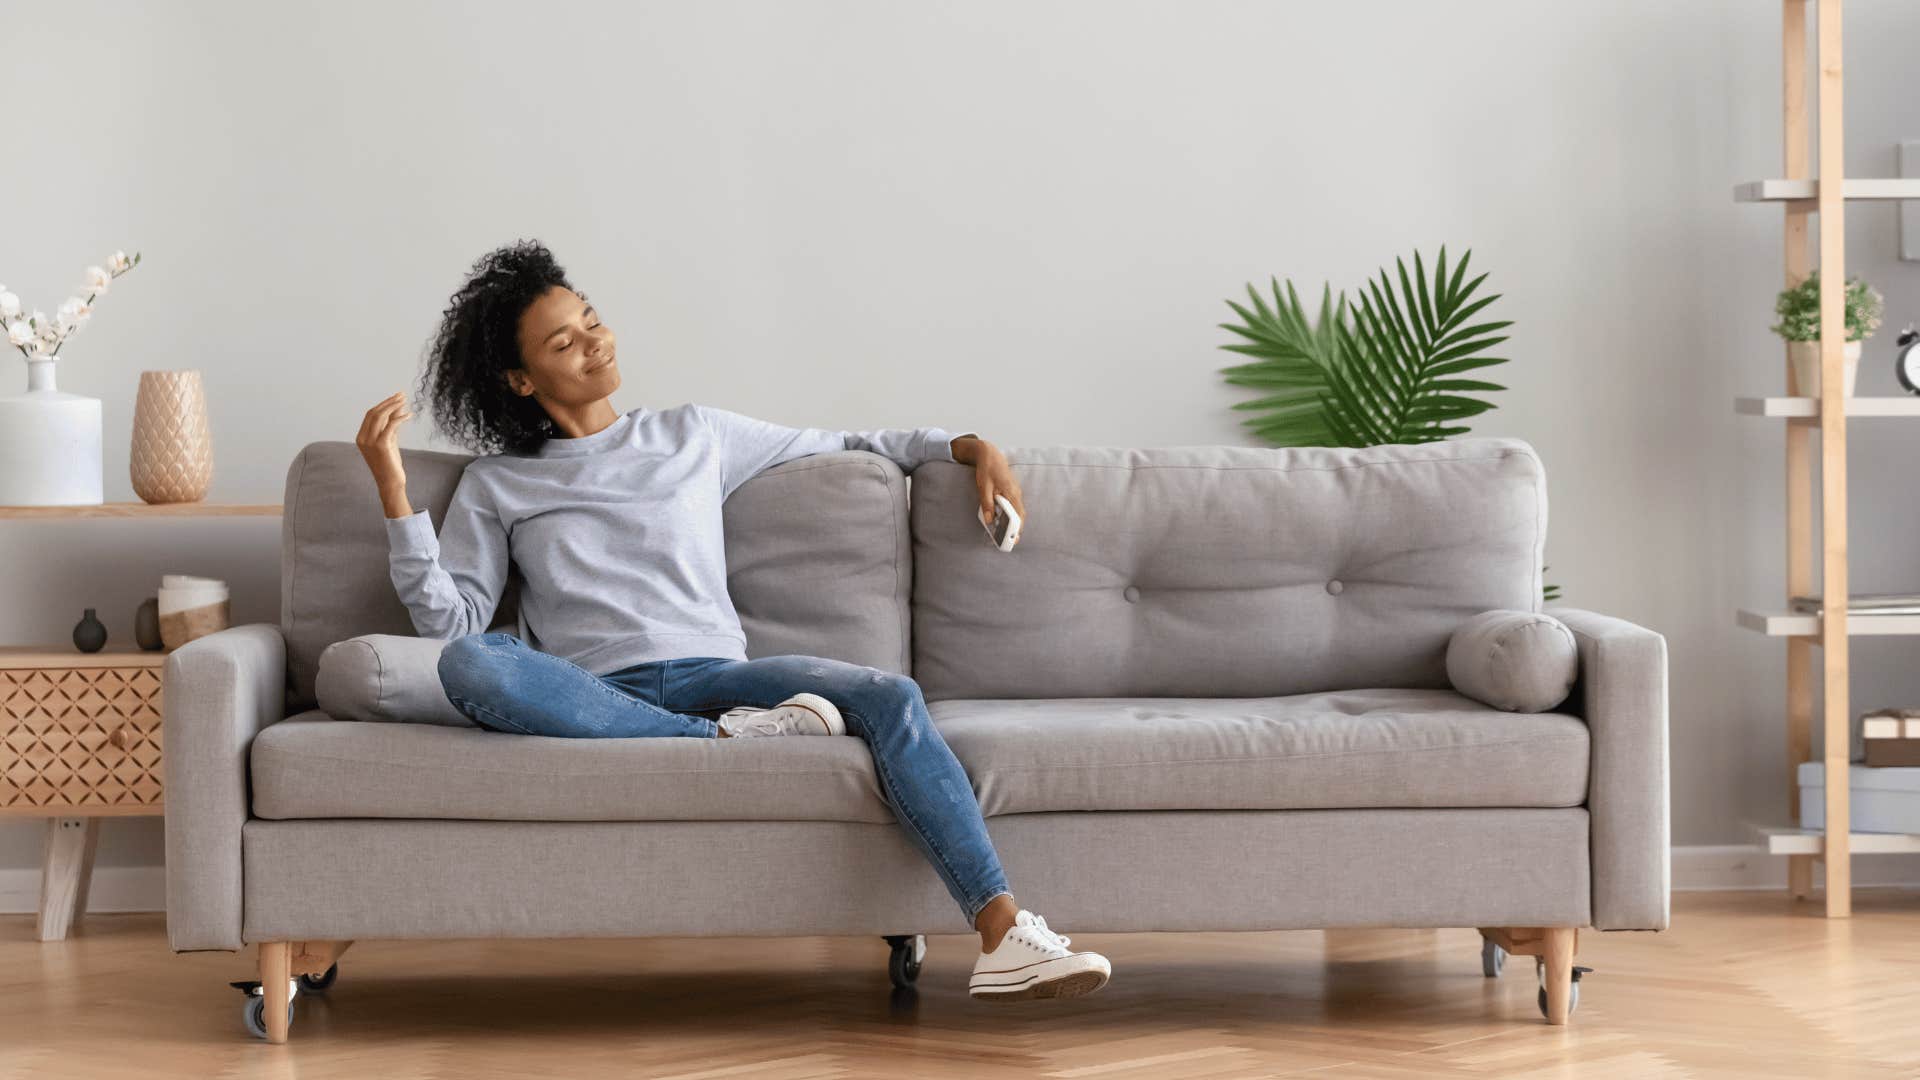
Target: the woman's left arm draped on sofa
(749, 445)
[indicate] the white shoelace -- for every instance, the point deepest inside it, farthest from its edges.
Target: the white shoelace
(1046, 933)
(767, 722)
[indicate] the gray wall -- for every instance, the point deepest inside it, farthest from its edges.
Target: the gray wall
(1017, 217)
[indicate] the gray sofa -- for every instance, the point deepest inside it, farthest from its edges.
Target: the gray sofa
(1207, 691)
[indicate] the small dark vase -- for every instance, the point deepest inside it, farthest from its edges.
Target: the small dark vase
(146, 624)
(89, 634)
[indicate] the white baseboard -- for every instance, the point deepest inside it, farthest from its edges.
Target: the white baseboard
(114, 888)
(1695, 869)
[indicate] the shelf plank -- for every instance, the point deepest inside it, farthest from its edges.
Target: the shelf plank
(66, 656)
(1786, 840)
(1788, 624)
(1793, 190)
(144, 510)
(1800, 408)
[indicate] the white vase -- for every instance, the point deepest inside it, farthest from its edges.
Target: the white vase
(1805, 356)
(49, 445)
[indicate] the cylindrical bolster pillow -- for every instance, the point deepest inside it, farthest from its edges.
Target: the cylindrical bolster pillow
(392, 678)
(1519, 661)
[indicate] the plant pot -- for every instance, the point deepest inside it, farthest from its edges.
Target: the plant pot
(1805, 356)
(49, 445)
(171, 460)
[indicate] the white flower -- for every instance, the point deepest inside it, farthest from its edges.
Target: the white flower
(9, 304)
(50, 336)
(18, 332)
(118, 262)
(72, 310)
(98, 279)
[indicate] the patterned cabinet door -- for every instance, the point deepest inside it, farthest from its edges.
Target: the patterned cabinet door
(80, 739)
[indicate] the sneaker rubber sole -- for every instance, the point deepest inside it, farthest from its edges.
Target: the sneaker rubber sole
(821, 707)
(1072, 982)
(827, 713)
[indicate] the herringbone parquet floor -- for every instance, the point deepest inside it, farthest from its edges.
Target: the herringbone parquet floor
(1745, 985)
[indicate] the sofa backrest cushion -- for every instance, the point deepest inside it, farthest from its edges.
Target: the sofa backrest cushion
(818, 557)
(1221, 570)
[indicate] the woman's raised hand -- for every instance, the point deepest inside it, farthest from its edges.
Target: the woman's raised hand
(379, 443)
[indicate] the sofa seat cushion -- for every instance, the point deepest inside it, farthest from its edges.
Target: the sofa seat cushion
(313, 766)
(1356, 749)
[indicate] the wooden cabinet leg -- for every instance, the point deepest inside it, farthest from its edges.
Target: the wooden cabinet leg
(66, 872)
(1558, 953)
(275, 959)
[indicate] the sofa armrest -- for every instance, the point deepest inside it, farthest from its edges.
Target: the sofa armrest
(1622, 693)
(218, 692)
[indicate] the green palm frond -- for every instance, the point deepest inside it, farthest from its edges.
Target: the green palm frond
(1385, 368)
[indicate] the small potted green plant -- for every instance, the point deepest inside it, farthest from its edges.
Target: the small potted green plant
(1799, 311)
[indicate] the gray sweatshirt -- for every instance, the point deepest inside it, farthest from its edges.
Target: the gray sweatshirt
(617, 534)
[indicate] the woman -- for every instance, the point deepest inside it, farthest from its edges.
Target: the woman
(614, 520)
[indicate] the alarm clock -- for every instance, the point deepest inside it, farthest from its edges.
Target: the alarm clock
(1906, 362)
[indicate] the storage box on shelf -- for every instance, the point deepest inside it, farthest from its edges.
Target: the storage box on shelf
(1884, 801)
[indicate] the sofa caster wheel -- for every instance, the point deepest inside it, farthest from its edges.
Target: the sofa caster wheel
(254, 1015)
(1492, 958)
(903, 964)
(1573, 992)
(316, 983)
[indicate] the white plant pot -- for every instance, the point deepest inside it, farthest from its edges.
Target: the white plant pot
(1805, 356)
(49, 445)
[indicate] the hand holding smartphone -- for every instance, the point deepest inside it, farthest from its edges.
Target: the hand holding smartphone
(1004, 529)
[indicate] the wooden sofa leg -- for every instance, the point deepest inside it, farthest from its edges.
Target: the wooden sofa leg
(1554, 946)
(276, 958)
(1558, 953)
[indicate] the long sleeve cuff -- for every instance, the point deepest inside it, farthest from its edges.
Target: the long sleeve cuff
(412, 535)
(940, 443)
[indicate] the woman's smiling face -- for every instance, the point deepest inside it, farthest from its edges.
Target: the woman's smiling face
(566, 352)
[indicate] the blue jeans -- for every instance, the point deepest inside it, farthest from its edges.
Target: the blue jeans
(501, 683)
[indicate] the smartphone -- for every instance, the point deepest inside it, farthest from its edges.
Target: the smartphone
(1004, 529)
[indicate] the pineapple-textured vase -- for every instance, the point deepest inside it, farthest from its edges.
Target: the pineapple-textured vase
(171, 459)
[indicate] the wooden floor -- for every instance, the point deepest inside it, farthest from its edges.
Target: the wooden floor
(1745, 985)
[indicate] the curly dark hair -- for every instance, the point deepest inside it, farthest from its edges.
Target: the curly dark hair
(478, 343)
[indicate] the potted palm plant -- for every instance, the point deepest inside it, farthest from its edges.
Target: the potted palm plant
(1799, 312)
(1387, 367)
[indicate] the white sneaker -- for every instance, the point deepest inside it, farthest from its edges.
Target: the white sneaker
(1034, 962)
(801, 714)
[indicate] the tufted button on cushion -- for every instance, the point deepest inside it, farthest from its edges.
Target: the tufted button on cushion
(1132, 594)
(1335, 588)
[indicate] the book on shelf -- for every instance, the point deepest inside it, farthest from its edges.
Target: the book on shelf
(1891, 738)
(1864, 604)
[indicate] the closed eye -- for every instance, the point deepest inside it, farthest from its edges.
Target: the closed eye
(567, 343)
